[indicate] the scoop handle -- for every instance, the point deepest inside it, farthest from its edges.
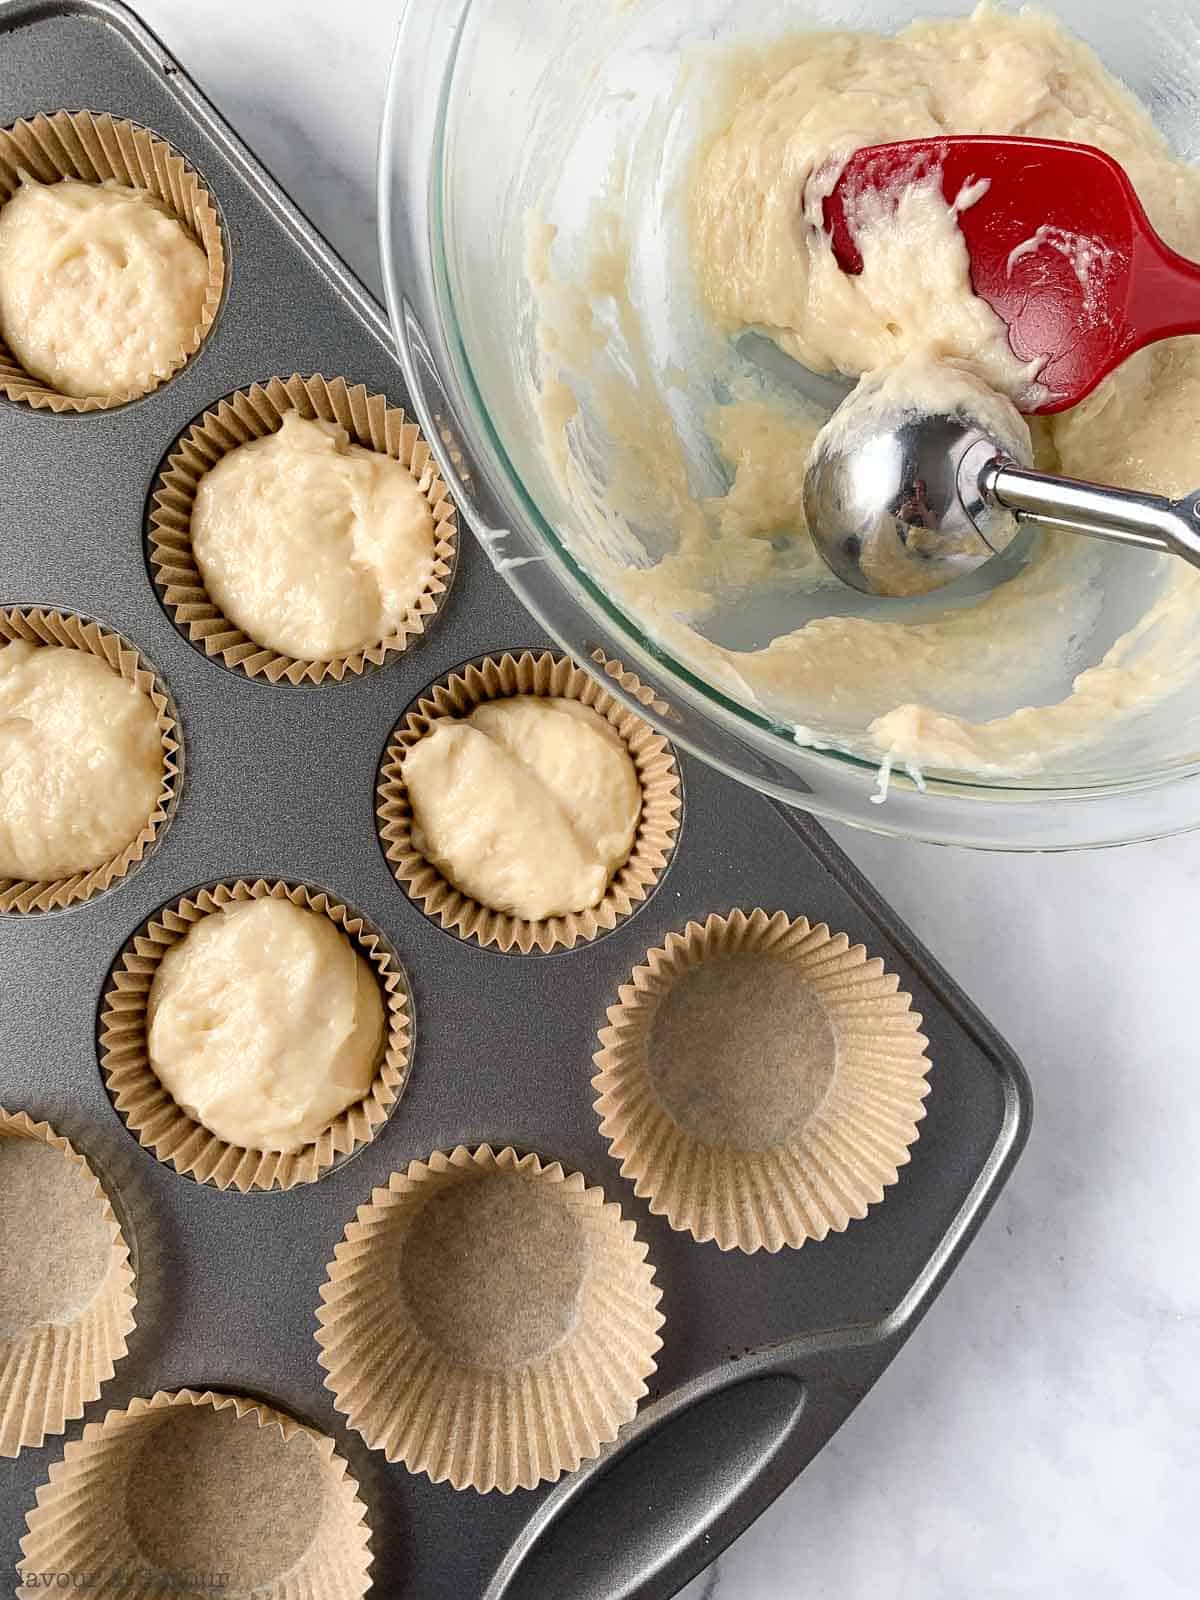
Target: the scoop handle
(1124, 516)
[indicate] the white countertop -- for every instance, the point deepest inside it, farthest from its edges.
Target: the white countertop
(1040, 1434)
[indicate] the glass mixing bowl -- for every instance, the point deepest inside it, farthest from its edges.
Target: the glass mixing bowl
(491, 99)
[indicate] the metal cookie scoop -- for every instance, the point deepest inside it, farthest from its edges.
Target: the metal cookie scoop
(914, 501)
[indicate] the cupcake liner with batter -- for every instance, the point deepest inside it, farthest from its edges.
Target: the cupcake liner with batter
(488, 1320)
(65, 1312)
(696, 1108)
(253, 414)
(97, 148)
(191, 1492)
(633, 686)
(37, 626)
(162, 1126)
(498, 678)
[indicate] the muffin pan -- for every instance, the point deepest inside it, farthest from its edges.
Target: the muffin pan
(763, 1355)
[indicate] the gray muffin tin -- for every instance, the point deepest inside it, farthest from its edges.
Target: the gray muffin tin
(763, 1357)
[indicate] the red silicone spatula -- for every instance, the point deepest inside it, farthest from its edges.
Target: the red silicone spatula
(1059, 244)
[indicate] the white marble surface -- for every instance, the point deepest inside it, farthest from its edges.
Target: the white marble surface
(1040, 1435)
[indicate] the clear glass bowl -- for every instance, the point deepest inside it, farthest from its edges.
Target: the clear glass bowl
(480, 93)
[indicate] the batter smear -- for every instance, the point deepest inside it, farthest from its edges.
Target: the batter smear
(1031, 678)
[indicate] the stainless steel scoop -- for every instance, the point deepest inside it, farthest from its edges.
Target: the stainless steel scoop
(919, 501)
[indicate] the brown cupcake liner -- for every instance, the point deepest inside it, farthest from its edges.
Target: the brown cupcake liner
(254, 413)
(633, 686)
(97, 147)
(498, 678)
(844, 1148)
(52, 1371)
(533, 1337)
(37, 626)
(271, 1511)
(163, 1127)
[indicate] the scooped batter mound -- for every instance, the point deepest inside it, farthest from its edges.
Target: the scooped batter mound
(100, 288)
(1028, 678)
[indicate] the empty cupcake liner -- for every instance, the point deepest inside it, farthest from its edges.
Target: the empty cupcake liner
(96, 148)
(193, 1492)
(252, 414)
(81, 1304)
(162, 1126)
(37, 626)
(498, 678)
(489, 1321)
(732, 1150)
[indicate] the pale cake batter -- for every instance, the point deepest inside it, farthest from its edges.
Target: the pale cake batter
(529, 805)
(954, 686)
(265, 1024)
(81, 761)
(101, 289)
(312, 545)
(763, 256)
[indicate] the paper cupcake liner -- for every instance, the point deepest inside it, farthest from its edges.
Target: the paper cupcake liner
(162, 1127)
(252, 414)
(82, 144)
(530, 1344)
(839, 1153)
(244, 1501)
(51, 1372)
(632, 685)
(496, 678)
(38, 626)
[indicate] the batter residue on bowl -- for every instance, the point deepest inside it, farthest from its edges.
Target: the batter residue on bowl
(696, 526)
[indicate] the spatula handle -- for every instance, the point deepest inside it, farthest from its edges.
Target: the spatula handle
(1164, 292)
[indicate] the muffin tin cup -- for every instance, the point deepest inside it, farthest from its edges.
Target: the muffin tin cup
(98, 148)
(498, 678)
(163, 1127)
(50, 1372)
(850, 1124)
(265, 1506)
(526, 1348)
(37, 626)
(254, 413)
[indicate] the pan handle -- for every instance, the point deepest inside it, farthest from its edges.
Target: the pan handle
(688, 1476)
